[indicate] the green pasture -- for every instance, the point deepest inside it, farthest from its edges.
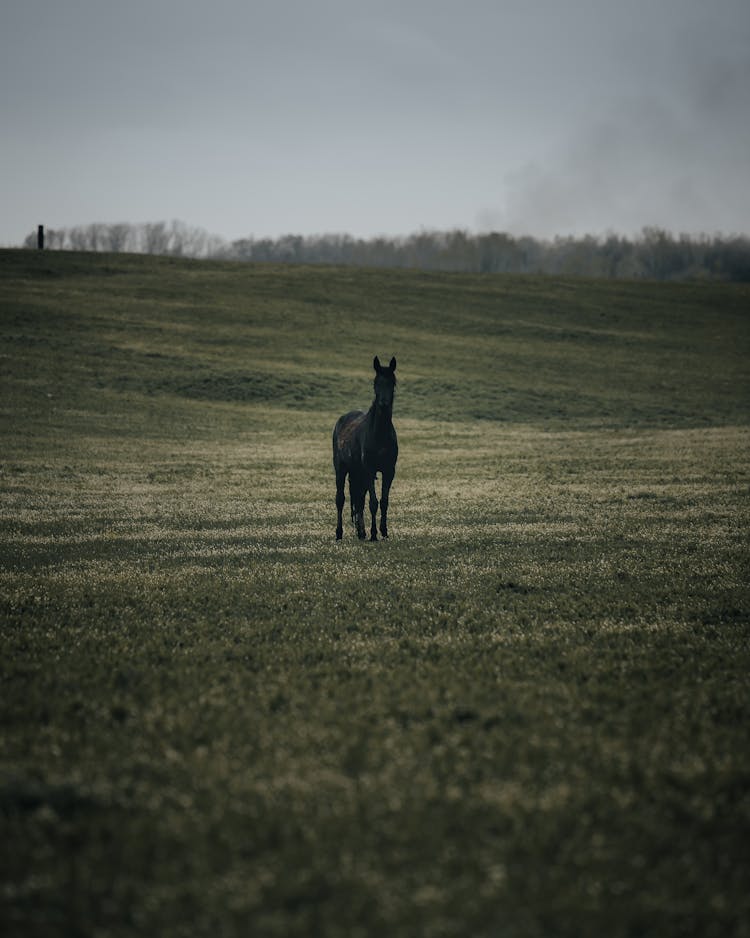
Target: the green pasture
(526, 714)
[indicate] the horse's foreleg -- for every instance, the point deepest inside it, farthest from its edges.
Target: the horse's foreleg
(373, 511)
(386, 488)
(357, 492)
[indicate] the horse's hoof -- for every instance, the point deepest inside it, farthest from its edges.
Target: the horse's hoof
(373, 537)
(339, 535)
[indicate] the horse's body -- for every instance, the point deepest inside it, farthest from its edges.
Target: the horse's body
(363, 445)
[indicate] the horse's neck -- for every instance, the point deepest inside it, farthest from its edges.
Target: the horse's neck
(379, 421)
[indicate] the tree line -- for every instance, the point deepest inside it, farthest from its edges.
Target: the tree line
(654, 254)
(176, 239)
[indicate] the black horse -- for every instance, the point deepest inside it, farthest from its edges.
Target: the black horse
(363, 445)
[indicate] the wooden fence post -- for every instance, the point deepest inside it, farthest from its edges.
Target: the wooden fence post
(40, 237)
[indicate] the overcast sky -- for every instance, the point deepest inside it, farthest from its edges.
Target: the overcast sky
(314, 116)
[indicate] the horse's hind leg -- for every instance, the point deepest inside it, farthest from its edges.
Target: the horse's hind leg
(340, 499)
(373, 511)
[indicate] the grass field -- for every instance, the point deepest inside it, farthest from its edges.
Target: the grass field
(525, 714)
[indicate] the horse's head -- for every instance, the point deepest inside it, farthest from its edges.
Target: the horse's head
(385, 383)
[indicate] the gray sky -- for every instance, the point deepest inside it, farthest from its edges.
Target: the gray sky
(263, 118)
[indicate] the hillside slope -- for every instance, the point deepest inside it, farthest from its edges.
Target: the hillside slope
(534, 350)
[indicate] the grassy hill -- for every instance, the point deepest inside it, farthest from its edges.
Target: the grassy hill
(525, 714)
(506, 349)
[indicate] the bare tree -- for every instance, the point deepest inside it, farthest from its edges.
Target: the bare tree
(155, 238)
(119, 237)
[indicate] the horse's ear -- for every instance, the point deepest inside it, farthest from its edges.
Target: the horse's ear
(376, 363)
(392, 365)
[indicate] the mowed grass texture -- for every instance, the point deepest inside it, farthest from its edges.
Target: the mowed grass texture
(525, 714)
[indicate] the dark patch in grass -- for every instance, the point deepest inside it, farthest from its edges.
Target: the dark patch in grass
(513, 587)
(24, 796)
